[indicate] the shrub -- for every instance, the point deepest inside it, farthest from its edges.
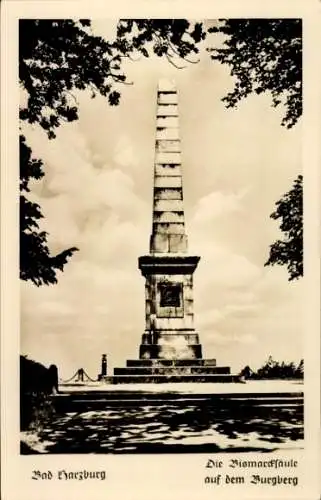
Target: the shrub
(275, 370)
(36, 388)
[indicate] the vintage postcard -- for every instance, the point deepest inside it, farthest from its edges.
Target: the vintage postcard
(160, 251)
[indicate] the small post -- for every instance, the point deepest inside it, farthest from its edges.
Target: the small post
(80, 375)
(53, 377)
(104, 365)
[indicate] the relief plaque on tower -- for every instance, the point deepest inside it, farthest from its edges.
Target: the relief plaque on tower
(170, 294)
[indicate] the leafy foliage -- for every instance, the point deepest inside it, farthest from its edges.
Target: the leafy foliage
(275, 370)
(172, 38)
(36, 263)
(57, 57)
(60, 57)
(36, 386)
(264, 55)
(289, 251)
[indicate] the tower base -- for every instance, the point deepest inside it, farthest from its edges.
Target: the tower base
(199, 370)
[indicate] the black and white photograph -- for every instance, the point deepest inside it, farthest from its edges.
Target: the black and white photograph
(161, 245)
(161, 235)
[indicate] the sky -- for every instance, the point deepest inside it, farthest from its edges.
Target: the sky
(97, 195)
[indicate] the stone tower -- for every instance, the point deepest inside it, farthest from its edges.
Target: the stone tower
(170, 350)
(168, 269)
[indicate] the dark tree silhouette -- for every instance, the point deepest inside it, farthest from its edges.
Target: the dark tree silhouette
(36, 385)
(36, 263)
(299, 373)
(264, 55)
(59, 57)
(273, 369)
(289, 250)
(56, 57)
(172, 38)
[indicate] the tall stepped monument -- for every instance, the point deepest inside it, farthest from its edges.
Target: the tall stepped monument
(170, 349)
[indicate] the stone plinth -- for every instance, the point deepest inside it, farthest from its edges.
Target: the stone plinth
(170, 362)
(174, 370)
(169, 378)
(169, 331)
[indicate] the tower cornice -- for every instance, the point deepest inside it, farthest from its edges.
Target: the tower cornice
(167, 264)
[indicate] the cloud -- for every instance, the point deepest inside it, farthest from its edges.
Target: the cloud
(124, 152)
(91, 311)
(100, 295)
(234, 339)
(217, 204)
(222, 268)
(97, 195)
(94, 209)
